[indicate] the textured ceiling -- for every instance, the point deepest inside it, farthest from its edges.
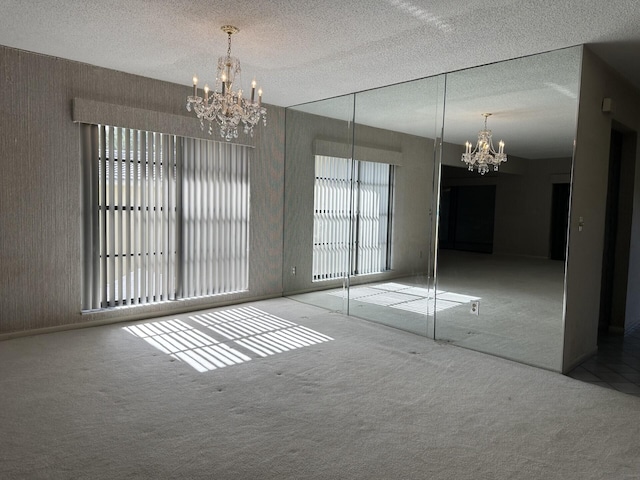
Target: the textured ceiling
(305, 50)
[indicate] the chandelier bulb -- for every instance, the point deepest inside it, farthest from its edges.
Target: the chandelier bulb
(195, 86)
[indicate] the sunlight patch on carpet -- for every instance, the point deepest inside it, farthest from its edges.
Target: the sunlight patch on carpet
(183, 342)
(229, 333)
(259, 332)
(406, 297)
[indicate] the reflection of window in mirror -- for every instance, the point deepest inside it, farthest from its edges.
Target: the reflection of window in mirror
(333, 226)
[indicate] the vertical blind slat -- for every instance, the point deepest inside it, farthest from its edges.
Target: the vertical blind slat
(171, 217)
(95, 220)
(89, 138)
(206, 228)
(134, 227)
(103, 215)
(153, 246)
(218, 153)
(186, 233)
(195, 222)
(111, 221)
(246, 199)
(144, 210)
(179, 234)
(166, 215)
(122, 187)
(158, 213)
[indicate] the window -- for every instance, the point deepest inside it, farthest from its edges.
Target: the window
(336, 231)
(165, 217)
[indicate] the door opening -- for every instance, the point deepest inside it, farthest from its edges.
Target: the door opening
(617, 231)
(467, 216)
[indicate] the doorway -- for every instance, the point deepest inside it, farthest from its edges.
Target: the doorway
(617, 232)
(467, 217)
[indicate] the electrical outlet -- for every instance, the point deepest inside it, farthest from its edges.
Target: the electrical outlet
(475, 307)
(293, 270)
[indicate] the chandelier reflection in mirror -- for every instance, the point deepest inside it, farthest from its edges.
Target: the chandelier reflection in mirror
(484, 154)
(226, 105)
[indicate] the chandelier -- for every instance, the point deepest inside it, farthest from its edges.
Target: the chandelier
(484, 154)
(226, 105)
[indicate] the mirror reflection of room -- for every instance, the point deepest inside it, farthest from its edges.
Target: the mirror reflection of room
(503, 231)
(368, 248)
(476, 258)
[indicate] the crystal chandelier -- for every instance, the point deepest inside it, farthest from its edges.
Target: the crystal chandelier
(225, 104)
(484, 154)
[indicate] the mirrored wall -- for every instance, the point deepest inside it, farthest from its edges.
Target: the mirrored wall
(310, 263)
(384, 221)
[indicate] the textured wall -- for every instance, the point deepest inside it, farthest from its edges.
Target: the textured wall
(40, 221)
(524, 207)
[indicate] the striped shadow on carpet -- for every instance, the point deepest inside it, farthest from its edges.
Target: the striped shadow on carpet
(406, 297)
(231, 337)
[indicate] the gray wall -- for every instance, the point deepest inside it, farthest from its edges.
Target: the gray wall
(40, 210)
(412, 201)
(523, 207)
(588, 200)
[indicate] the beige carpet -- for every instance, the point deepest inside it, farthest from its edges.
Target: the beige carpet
(347, 399)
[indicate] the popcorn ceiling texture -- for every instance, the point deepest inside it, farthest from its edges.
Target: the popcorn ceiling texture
(308, 50)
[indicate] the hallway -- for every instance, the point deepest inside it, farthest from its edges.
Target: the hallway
(617, 364)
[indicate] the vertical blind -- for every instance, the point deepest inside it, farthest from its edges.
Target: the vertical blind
(372, 212)
(332, 217)
(215, 211)
(345, 243)
(164, 217)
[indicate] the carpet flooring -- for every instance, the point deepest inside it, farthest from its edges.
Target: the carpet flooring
(287, 390)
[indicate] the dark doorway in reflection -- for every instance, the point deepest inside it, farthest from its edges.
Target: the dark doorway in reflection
(467, 217)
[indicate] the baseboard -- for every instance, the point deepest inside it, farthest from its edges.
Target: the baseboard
(567, 368)
(176, 309)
